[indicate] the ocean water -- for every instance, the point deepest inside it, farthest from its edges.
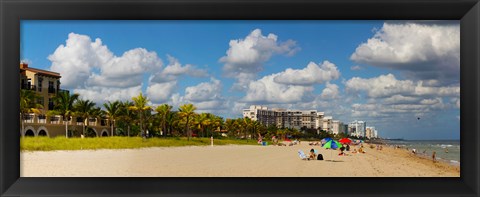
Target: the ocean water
(446, 150)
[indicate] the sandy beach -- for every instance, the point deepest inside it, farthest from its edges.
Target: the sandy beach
(229, 161)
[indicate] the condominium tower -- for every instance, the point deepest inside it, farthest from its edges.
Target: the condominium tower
(285, 118)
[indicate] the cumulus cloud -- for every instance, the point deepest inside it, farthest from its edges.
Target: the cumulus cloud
(75, 60)
(423, 50)
(330, 92)
(388, 85)
(312, 74)
(100, 95)
(89, 68)
(246, 57)
(161, 92)
(204, 91)
(266, 90)
(175, 69)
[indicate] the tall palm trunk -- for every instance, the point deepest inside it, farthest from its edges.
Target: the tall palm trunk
(188, 130)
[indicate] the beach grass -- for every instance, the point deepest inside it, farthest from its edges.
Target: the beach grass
(62, 143)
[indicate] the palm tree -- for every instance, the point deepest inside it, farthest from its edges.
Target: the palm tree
(28, 104)
(247, 123)
(126, 114)
(140, 106)
(187, 111)
(64, 105)
(171, 120)
(163, 111)
(84, 109)
(113, 111)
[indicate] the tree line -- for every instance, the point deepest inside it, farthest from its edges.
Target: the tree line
(136, 118)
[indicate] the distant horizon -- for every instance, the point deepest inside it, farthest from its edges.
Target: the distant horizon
(403, 77)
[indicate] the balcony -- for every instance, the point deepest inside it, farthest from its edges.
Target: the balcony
(29, 87)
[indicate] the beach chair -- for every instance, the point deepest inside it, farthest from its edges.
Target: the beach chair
(302, 155)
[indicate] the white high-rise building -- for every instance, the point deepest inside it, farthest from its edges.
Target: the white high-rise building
(284, 118)
(357, 128)
(337, 127)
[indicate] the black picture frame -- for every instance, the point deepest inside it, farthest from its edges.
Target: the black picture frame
(13, 11)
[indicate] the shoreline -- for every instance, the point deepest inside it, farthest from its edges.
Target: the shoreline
(218, 161)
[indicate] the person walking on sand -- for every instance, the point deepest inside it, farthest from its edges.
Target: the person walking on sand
(433, 156)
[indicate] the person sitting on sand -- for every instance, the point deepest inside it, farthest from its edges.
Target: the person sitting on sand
(348, 147)
(312, 154)
(341, 151)
(361, 150)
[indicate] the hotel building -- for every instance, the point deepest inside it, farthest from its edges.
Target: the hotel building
(46, 84)
(284, 118)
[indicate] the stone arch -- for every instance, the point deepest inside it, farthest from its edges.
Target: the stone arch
(30, 131)
(104, 133)
(92, 129)
(42, 131)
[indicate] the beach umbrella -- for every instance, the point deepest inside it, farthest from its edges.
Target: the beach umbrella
(333, 145)
(345, 141)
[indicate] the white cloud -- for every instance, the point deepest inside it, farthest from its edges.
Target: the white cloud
(101, 95)
(204, 91)
(77, 57)
(247, 56)
(400, 99)
(266, 90)
(356, 67)
(161, 92)
(424, 50)
(382, 86)
(312, 74)
(92, 70)
(330, 92)
(175, 68)
(388, 85)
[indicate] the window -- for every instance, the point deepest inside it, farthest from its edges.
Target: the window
(40, 81)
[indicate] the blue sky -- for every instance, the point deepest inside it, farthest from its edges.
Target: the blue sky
(387, 73)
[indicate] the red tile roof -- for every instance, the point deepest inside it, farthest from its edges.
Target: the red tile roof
(43, 72)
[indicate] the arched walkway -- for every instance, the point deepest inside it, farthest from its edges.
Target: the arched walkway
(91, 132)
(30, 133)
(104, 133)
(42, 131)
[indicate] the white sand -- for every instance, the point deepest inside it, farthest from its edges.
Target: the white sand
(228, 161)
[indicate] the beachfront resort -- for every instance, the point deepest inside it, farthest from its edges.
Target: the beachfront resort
(49, 111)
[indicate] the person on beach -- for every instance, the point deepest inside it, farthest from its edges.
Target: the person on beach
(341, 151)
(361, 150)
(433, 156)
(312, 154)
(348, 147)
(414, 151)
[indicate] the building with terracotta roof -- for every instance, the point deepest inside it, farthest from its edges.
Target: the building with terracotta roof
(44, 83)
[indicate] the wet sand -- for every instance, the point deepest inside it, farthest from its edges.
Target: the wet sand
(229, 161)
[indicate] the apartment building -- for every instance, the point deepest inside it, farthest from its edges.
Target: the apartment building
(284, 118)
(357, 128)
(337, 127)
(44, 83)
(371, 132)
